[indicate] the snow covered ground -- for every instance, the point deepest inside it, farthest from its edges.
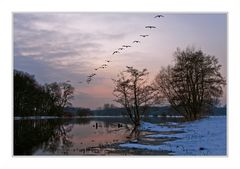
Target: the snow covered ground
(203, 137)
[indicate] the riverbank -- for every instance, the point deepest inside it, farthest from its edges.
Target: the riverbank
(203, 137)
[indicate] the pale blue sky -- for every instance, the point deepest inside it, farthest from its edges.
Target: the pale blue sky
(68, 46)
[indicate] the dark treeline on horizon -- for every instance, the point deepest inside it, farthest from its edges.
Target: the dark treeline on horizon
(161, 111)
(34, 99)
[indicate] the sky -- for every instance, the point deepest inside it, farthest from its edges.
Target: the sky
(58, 47)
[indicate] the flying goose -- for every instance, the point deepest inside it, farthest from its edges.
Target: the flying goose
(150, 27)
(158, 16)
(115, 52)
(143, 36)
(126, 46)
(136, 41)
(91, 75)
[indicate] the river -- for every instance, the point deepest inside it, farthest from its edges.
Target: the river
(80, 136)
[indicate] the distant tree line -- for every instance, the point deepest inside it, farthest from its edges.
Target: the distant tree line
(192, 86)
(34, 99)
(81, 111)
(107, 106)
(71, 111)
(84, 112)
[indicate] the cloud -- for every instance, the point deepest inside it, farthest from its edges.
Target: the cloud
(68, 46)
(44, 72)
(52, 39)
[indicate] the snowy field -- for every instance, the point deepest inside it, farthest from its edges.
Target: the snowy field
(203, 137)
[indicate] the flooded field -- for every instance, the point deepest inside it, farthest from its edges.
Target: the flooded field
(83, 136)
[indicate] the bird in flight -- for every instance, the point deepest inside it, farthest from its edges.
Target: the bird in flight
(136, 41)
(91, 75)
(158, 16)
(103, 66)
(143, 36)
(108, 61)
(150, 27)
(126, 46)
(129, 67)
(115, 52)
(120, 48)
(89, 80)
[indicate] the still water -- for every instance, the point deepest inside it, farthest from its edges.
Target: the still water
(77, 136)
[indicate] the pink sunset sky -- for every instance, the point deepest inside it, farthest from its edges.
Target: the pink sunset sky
(68, 46)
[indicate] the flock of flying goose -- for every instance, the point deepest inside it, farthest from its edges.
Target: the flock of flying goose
(120, 49)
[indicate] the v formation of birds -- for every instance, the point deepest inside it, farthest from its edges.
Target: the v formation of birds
(123, 47)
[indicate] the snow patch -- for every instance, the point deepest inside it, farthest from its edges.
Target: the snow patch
(203, 137)
(145, 126)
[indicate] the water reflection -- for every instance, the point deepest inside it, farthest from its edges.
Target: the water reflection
(73, 136)
(30, 135)
(66, 136)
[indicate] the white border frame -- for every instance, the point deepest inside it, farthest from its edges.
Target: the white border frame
(6, 61)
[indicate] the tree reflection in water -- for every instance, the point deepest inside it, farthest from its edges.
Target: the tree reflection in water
(135, 133)
(71, 136)
(49, 135)
(59, 139)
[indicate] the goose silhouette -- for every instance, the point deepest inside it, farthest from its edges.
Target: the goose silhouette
(136, 41)
(115, 52)
(158, 16)
(91, 75)
(150, 27)
(143, 36)
(126, 46)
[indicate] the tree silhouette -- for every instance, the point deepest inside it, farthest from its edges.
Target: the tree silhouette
(32, 99)
(193, 85)
(133, 93)
(59, 95)
(26, 92)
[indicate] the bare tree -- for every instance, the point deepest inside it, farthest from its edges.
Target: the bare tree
(193, 85)
(60, 94)
(133, 93)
